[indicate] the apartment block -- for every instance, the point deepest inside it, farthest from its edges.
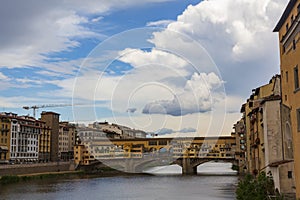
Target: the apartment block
(45, 143)
(240, 147)
(52, 120)
(24, 138)
(66, 140)
(288, 28)
(5, 125)
(268, 145)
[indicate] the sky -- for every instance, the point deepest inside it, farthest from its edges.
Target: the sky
(167, 66)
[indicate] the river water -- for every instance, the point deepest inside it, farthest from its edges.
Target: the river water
(215, 181)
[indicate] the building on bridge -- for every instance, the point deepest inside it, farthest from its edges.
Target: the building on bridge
(187, 152)
(118, 131)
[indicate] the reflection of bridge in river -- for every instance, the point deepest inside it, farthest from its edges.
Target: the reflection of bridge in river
(133, 155)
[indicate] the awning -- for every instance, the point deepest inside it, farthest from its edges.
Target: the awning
(5, 148)
(276, 164)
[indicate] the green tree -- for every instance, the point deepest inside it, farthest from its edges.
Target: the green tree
(257, 188)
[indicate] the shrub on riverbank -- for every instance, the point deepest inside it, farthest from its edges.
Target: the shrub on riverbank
(9, 179)
(260, 188)
(235, 168)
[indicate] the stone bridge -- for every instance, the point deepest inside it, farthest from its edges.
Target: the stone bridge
(133, 155)
(138, 165)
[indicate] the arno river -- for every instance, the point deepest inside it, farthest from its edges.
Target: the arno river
(166, 184)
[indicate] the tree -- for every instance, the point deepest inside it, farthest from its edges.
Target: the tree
(260, 188)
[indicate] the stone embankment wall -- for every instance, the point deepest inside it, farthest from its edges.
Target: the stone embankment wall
(22, 169)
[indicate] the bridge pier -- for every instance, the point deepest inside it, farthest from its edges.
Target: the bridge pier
(129, 165)
(188, 168)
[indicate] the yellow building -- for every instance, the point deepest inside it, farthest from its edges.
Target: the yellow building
(44, 143)
(5, 125)
(240, 148)
(66, 140)
(252, 118)
(269, 145)
(85, 152)
(288, 28)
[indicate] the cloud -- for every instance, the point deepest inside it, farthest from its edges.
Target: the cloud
(240, 41)
(164, 131)
(3, 77)
(138, 57)
(197, 96)
(188, 130)
(174, 78)
(32, 30)
(131, 110)
(237, 34)
(6, 103)
(97, 19)
(160, 23)
(26, 41)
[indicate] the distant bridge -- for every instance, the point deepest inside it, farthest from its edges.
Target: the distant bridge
(132, 155)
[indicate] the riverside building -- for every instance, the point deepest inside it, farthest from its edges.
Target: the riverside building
(288, 28)
(268, 143)
(24, 138)
(5, 125)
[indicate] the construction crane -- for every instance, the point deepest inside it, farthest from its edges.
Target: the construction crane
(35, 107)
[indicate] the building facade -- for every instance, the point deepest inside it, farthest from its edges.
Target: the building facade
(240, 147)
(288, 28)
(24, 138)
(268, 145)
(66, 140)
(45, 143)
(118, 131)
(209, 147)
(5, 125)
(52, 120)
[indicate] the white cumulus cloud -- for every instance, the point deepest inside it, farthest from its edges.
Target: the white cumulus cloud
(197, 96)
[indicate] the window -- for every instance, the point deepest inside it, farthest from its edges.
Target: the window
(294, 44)
(298, 8)
(290, 174)
(287, 27)
(292, 19)
(287, 76)
(298, 119)
(251, 104)
(296, 78)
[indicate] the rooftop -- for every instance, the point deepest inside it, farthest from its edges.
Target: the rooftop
(285, 15)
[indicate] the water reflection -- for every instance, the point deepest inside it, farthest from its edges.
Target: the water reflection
(209, 168)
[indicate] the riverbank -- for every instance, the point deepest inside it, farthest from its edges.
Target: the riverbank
(8, 179)
(104, 172)
(33, 168)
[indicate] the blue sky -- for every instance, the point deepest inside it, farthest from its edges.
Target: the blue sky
(178, 65)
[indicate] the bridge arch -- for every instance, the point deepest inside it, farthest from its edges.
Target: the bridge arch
(163, 150)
